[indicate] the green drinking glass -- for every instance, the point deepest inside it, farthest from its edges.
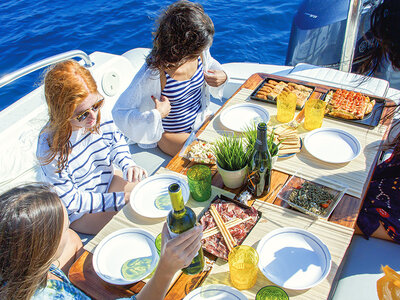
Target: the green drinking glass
(158, 243)
(199, 179)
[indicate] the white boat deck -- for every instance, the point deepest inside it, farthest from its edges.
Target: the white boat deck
(20, 125)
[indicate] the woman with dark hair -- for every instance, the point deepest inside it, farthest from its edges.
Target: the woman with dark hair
(385, 28)
(37, 249)
(34, 238)
(380, 213)
(169, 96)
(77, 150)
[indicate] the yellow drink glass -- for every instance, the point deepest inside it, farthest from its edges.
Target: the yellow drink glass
(243, 267)
(314, 113)
(286, 106)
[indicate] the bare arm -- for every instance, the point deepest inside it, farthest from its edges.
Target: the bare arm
(176, 254)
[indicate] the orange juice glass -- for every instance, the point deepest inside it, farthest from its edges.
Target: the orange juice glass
(286, 106)
(243, 267)
(314, 113)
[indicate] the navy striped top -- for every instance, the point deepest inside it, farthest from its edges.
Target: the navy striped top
(83, 184)
(185, 100)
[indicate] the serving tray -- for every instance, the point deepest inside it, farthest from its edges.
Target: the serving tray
(239, 204)
(254, 93)
(372, 119)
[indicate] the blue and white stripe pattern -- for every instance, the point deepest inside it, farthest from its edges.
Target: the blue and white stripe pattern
(82, 185)
(184, 97)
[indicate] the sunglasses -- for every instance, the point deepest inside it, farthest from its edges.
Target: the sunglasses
(95, 107)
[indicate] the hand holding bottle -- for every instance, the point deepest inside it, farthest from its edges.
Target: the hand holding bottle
(180, 220)
(179, 252)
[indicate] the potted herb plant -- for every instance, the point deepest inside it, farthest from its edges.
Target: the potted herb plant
(232, 158)
(250, 136)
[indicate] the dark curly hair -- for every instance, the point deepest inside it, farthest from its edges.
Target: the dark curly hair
(184, 30)
(385, 28)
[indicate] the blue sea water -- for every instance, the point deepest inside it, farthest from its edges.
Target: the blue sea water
(246, 31)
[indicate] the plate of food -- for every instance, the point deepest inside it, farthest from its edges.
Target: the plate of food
(199, 151)
(332, 145)
(150, 197)
(125, 256)
(293, 258)
(239, 117)
(312, 198)
(269, 89)
(354, 107)
(215, 292)
(236, 218)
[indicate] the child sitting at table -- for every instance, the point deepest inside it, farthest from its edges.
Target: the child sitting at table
(380, 214)
(77, 151)
(37, 248)
(169, 96)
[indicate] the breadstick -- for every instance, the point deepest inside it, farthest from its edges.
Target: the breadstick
(214, 230)
(221, 226)
(288, 151)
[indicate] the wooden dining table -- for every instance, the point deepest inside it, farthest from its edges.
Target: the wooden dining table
(82, 273)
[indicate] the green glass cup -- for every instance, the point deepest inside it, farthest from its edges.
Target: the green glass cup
(271, 292)
(199, 179)
(158, 243)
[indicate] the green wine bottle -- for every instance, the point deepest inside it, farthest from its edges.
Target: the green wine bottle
(180, 219)
(259, 177)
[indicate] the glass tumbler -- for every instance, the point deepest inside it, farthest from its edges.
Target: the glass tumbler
(286, 106)
(243, 267)
(158, 243)
(199, 179)
(314, 113)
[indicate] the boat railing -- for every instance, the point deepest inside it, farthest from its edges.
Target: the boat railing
(44, 63)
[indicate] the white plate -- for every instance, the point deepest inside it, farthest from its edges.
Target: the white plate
(119, 247)
(240, 116)
(215, 292)
(332, 145)
(293, 258)
(145, 197)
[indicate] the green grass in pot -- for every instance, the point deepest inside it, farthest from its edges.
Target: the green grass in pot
(250, 136)
(231, 153)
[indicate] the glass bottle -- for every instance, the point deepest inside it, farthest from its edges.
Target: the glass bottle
(260, 165)
(180, 219)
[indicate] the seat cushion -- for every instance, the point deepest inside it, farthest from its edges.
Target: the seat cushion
(363, 267)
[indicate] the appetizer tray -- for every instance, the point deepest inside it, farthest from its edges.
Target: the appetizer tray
(310, 197)
(280, 86)
(198, 151)
(231, 211)
(371, 119)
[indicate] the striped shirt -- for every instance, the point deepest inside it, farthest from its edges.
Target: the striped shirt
(185, 100)
(83, 184)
